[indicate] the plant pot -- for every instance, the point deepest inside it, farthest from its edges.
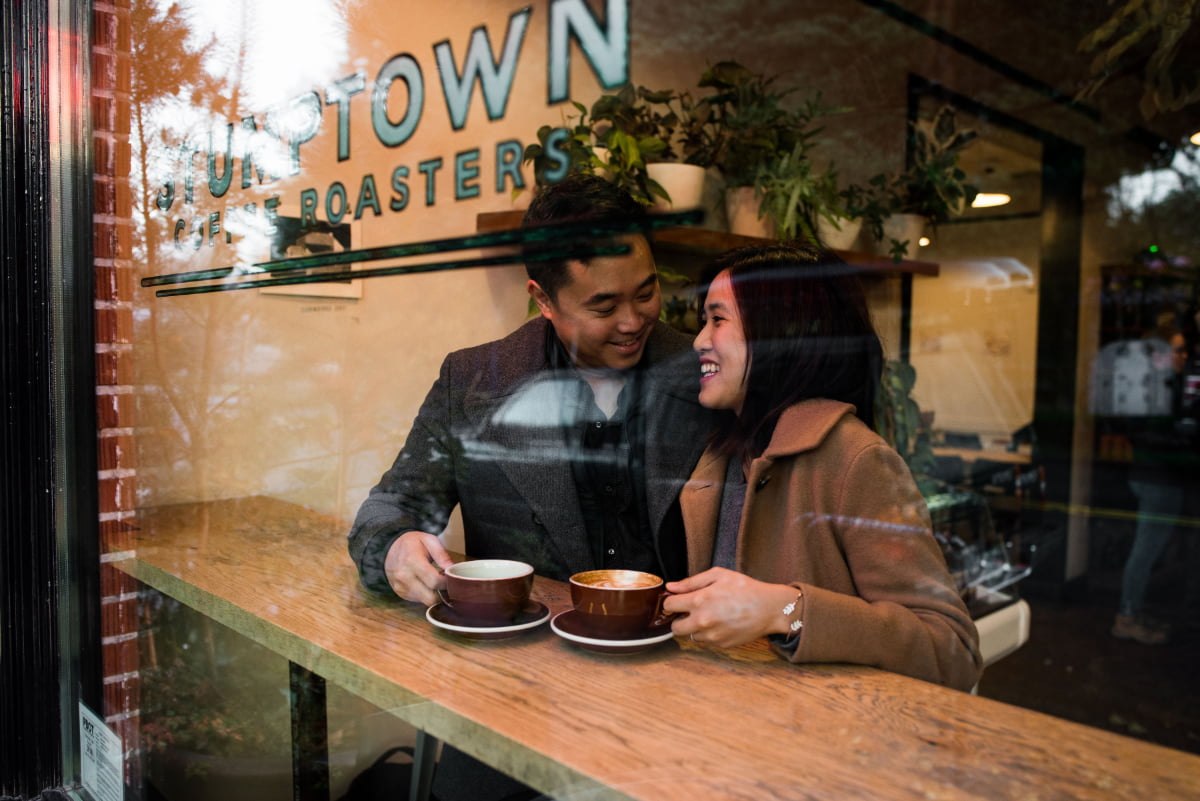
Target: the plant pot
(841, 237)
(603, 155)
(902, 228)
(742, 206)
(683, 182)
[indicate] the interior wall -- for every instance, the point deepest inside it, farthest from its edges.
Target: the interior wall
(309, 398)
(974, 336)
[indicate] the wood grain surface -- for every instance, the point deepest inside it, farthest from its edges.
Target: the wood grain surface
(679, 721)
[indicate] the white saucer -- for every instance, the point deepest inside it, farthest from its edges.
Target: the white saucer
(565, 625)
(533, 615)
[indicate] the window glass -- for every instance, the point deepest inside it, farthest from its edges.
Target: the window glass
(255, 382)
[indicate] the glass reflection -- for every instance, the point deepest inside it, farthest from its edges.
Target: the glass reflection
(342, 115)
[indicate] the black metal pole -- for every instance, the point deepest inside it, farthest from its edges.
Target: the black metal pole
(310, 735)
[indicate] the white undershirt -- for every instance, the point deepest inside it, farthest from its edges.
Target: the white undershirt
(606, 388)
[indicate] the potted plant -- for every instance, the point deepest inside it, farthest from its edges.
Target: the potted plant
(560, 150)
(796, 197)
(761, 148)
(625, 135)
(686, 125)
(867, 205)
(654, 136)
(900, 422)
(933, 189)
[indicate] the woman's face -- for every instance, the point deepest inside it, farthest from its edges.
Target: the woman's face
(724, 356)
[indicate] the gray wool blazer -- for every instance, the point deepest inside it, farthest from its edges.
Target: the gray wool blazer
(488, 438)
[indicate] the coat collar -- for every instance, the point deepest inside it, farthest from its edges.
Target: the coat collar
(801, 428)
(805, 426)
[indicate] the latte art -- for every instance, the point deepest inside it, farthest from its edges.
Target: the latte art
(612, 584)
(617, 579)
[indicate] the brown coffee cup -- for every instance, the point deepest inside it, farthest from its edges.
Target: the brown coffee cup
(487, 592)
(619, 604)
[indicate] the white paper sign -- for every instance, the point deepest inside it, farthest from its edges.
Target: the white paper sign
(99, 757)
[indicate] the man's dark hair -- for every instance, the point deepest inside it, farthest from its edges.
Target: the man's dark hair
(579, 197)
(808, 332)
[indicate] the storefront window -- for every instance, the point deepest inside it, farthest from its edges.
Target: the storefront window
(300, 208)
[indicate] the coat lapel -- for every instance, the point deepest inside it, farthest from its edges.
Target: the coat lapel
(675, 433)
(700, 502)
(517, 428)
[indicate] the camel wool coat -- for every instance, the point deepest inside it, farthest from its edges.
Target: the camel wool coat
(833, 510)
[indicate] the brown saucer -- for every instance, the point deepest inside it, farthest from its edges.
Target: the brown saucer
(566, 625)
(531, 616)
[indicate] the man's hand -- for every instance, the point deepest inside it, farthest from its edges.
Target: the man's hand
(414, 566)
(727, 608)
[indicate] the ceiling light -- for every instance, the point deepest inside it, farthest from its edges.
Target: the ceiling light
(985, 200)
(923, 242)
(1196, 138)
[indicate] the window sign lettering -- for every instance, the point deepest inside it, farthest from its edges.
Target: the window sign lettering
(272, 145)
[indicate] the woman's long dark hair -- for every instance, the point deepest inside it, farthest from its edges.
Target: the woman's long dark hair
(809, 334)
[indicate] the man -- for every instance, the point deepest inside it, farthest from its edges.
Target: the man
(565, 443)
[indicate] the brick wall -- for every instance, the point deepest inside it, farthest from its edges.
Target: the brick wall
(112, 232)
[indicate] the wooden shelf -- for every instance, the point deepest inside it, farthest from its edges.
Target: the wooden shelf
(709, 241)
(489, 221)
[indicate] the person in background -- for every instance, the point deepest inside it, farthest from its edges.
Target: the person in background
(565, 444)
(803, 525)
(1164, 462)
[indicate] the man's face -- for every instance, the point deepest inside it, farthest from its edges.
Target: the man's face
(1179, 352)
(605, 311)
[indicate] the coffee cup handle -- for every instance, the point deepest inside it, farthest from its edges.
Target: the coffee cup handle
(662, 618)
(441, 593)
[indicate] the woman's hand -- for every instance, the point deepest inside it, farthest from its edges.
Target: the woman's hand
(727, 608)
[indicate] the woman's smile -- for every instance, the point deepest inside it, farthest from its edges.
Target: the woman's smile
(724, 356)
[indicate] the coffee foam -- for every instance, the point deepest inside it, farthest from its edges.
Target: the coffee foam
(618, 579)
(489, 569)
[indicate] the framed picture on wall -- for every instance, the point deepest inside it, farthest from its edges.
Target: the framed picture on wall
(293, 239)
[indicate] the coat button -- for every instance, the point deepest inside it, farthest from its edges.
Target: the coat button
(537, 520)
(762, 482)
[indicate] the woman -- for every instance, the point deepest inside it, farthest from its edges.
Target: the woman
(813, 527)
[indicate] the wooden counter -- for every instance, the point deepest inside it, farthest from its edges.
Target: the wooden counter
(680, 721)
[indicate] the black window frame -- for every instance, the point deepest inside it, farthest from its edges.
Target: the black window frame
(50, 650)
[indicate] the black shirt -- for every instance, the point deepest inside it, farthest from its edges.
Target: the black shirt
(606, 457)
